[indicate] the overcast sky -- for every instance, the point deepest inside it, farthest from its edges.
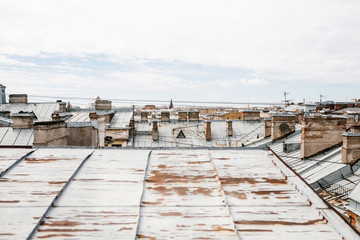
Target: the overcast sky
(185, 50)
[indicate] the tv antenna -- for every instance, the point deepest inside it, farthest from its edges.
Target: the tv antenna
(285, 94)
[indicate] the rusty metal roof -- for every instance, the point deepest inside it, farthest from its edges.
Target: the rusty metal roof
(128, 194)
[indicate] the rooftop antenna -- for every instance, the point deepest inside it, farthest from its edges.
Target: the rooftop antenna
(285, 94)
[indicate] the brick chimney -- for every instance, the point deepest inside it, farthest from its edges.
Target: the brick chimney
(229, 128)
(282, 125)
(144, 116)
(351, 148)
(23, 120)
(320, 133)
(250, 115)
(183, 116)
(51, 133)
(18, 98)
(355, 129)
(62, 107)
(193, 115)
(55, 116)
(155, 131)
(165, 116)
(267, 127)
(102, 105)
(207, 130)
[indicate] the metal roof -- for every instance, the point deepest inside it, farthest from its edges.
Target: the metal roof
(121, 120)
(16, 137)
(42, 111)
(243, 131)
(128, 194)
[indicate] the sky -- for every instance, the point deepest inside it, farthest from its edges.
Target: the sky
(187, 50)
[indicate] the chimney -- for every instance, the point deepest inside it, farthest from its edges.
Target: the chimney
(282, 125)
(101, 131)
(207, 130)
(350, 151)
(193, 115)
(23, 120)
(155, 131)
(183, 116)
(267, 127)
(55, 116)
(132, 127)
(250, 115)
(62, 107)
(18, 98)
(229, 128)
(2, 94)
(144, 116)
(165, 116)
(320, 133)
(51, 133)
(102, 105)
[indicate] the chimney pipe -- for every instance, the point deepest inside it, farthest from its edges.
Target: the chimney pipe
(193, 115)
(207, 130)
(102, 105)
(182, 116)
(229, 128)
(165, 116)
(155, 131)
(350, 151)
(23, 120)
(18, 98)
(144, 116)
(132, 127)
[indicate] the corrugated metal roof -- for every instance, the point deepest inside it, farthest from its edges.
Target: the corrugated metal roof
(218, 194)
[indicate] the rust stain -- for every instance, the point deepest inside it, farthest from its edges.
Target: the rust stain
(182, 191)
(198, 162)
(270, 192)
(222, 158)
(124, 229)
(171, 214)
(6, 234)
(44, 193)
(57, 182)
(216, 229)
(183, 226)
(252, 180)
(10, 201)
(162, 166)
(236, 194)
(56, 235)
(46, 160)
(143, 236)
(61, 223)
(67, 230)
(203, 191)
(261, 222)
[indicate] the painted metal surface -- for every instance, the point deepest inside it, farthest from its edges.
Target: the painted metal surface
(28, 189)
(16, 137)
(121, 119)
(42, 111)
(243, 132)
(197, 194)
(9, 156)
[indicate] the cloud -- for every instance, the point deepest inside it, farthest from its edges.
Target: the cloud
(236, 83)
(308, 40)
